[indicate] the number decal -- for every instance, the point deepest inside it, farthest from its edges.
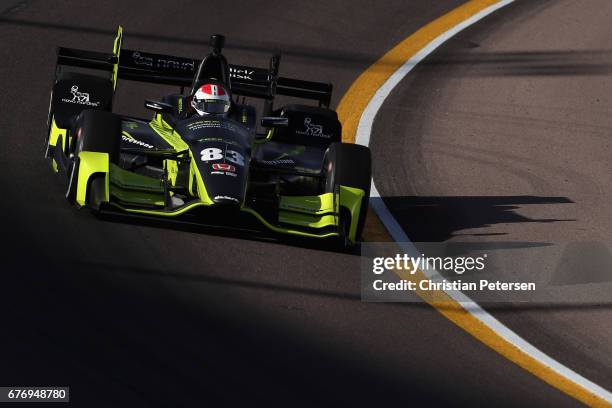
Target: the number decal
(212, 153)
(234, 157)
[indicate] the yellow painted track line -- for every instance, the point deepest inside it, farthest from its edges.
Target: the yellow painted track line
(360, 93)
(350, 111)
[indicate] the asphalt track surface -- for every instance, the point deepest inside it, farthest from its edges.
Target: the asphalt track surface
(504, 136)
(135, 315)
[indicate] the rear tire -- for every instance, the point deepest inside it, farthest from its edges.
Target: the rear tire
(349, 165)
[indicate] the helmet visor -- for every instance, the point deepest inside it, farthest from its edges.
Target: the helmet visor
(211, 106)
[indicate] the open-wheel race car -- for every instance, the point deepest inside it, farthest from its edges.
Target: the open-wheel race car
(202, 158)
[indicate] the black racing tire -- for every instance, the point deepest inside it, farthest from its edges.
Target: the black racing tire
(95, 192)
(49, 119)
(349, 165)
(98, 131)
(94, 131)
(72, 180)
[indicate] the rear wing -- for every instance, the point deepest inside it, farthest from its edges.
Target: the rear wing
(148, 67)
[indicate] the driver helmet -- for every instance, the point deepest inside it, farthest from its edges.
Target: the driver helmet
(211, 99)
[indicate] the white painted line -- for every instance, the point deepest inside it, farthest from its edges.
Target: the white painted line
(364, 131)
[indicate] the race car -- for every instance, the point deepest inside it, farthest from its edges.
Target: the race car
(203, 157)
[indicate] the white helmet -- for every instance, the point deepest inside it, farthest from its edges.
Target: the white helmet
(211, 99)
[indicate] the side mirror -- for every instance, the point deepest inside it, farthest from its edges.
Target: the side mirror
(159, 106)
(274, 122)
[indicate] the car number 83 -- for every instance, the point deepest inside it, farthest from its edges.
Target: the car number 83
(214, 154)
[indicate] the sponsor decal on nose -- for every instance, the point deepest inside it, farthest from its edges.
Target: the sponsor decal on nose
(224, 167)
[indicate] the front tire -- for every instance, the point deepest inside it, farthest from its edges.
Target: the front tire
(95, 131)
(73, 179)
(350, 165)
(49, 120)
(96, 192)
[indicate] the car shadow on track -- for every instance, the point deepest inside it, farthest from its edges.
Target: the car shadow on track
(437, 219)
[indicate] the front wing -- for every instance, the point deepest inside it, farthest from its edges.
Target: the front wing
(137, 195)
